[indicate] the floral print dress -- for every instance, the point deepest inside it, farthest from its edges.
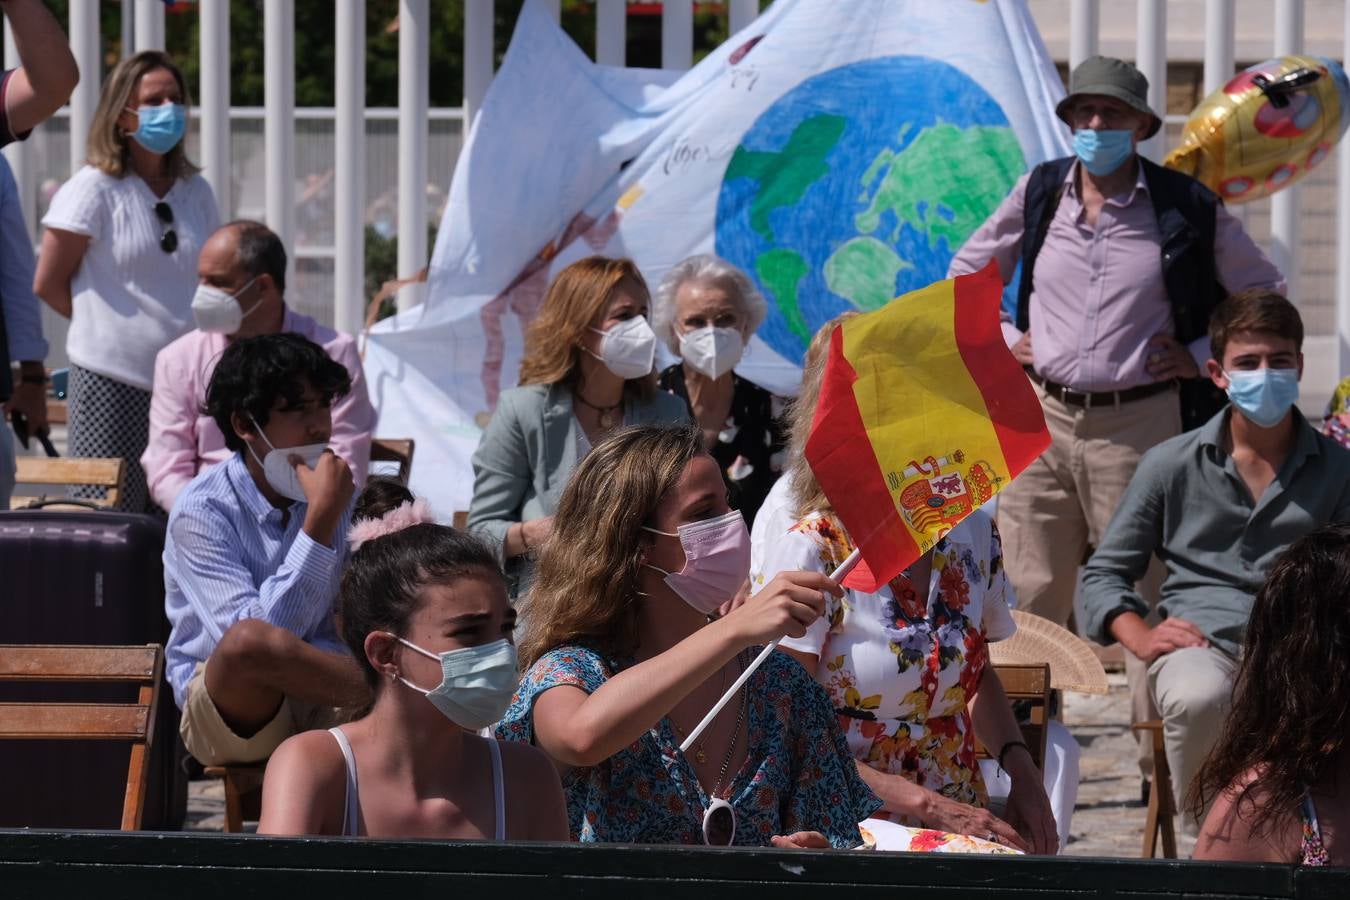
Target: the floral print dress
(798, 775)
(900, 666)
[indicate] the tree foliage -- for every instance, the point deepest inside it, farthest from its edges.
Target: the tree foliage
(316, 33)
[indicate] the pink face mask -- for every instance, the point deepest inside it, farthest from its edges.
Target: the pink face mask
(716, 561)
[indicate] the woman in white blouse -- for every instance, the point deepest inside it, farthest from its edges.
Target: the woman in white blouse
(119, 258)
(907, 667)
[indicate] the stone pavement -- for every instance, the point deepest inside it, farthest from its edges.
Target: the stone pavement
(1108, 821)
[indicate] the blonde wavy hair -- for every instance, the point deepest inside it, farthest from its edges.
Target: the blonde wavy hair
(575, 301)
(108, 148)
(805, 489)
(586, 581)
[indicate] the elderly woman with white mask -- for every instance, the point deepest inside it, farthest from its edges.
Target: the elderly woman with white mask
(705, 311)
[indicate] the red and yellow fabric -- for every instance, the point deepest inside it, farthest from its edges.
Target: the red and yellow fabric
(923, 416)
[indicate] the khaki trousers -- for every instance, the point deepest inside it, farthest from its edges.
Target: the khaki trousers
(1063, 502)
(1193, 689)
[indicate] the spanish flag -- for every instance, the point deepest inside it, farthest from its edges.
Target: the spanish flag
(923, 415)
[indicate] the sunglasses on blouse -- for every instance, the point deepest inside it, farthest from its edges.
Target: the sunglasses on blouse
(719, 824)
(168, 241)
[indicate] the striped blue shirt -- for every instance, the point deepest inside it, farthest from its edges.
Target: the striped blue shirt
(231, 555)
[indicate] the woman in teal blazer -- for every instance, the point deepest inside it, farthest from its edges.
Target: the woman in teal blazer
(587, 371)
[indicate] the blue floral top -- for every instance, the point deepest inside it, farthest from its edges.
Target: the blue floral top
(798, 776)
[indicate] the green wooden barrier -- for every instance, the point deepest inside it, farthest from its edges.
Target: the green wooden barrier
(53, 864)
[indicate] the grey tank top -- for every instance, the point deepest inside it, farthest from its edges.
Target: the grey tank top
(351, 814)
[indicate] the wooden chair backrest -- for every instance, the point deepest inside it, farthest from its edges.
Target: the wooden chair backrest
(1027, 682)
(133, 722)
(397, 450)
(66, 470)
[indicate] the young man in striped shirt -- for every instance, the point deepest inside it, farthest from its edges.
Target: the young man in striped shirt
(254, 555)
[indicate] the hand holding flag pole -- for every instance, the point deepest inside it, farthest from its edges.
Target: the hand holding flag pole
(843, 569)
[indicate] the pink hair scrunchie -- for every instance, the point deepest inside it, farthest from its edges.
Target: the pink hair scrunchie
(400, 517)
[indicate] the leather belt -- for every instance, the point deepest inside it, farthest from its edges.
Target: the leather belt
(1088, 399)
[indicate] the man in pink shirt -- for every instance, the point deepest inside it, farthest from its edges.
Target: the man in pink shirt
(1122, 262)
(241, 282)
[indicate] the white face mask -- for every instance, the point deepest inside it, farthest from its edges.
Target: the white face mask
(477, 683)
(217, 312)
(712, 351)
(628, 349)
(277, 468)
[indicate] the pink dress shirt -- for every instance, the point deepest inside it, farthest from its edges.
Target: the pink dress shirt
(184, 441)
(1099, 294)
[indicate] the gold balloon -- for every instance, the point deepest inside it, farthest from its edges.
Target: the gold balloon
(1265, 129)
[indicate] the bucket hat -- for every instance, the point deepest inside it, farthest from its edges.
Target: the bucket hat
(1109, 77)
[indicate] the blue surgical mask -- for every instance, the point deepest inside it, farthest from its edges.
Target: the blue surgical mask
(1103, 151)
(1263, 395)
(477, 683)
(161, 127)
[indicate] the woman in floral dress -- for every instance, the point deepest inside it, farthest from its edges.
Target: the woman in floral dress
(624, 658)
(907, 667)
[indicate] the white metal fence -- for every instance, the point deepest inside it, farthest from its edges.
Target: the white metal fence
(319, 176)
(313, 285)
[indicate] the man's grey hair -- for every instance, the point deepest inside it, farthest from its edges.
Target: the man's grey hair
(707, 269)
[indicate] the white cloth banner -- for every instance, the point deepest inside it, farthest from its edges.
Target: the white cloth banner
(839, 151)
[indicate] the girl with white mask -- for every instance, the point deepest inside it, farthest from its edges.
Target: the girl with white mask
(424, 610)
(624, 656)
(587, 370)
(705, 311)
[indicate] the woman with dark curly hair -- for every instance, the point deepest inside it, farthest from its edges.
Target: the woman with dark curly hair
(1279, 776)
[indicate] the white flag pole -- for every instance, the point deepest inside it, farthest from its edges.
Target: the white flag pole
(844, 568)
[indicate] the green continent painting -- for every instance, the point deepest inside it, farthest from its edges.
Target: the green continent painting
(859, 185)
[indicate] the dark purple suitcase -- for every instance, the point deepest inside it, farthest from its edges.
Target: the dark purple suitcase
(76, 577)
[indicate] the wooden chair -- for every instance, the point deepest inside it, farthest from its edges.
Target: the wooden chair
(460, 520)
(395, 450)
(1031, 683)
(67, 471)
(133, 722)
(1161, 806)
(243, 792)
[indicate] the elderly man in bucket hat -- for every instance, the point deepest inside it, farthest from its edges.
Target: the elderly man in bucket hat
(1121, 263)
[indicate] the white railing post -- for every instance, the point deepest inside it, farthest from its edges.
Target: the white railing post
(1219, 65)
(1084, 30)
(741, 14)
(1151, 58)
(478, 57)
(677, 34)
(611, 33)
(1284, 205)
(349, 164)
(1343, 235)
(20, 154)
(214, 102)
(413, 100)
(279, 124)
(128, 28)
(88, 51)
(149, 25)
